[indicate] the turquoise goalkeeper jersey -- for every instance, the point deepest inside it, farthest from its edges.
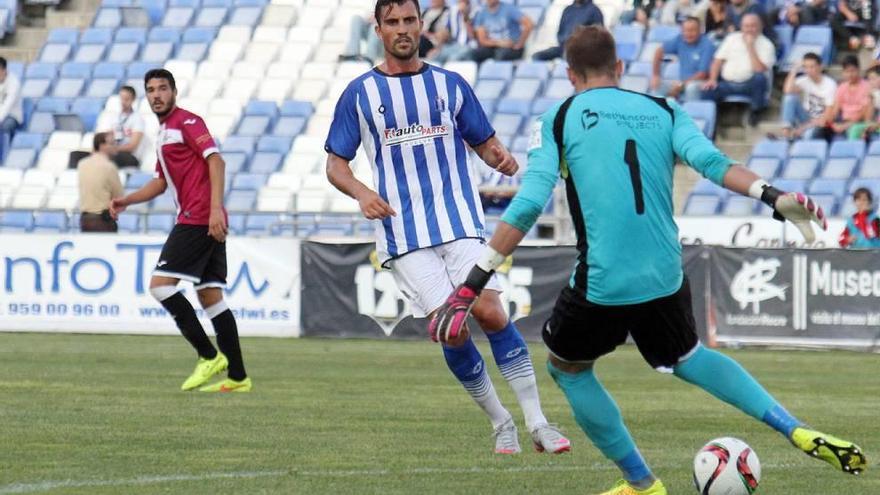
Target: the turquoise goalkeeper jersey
(616, 151)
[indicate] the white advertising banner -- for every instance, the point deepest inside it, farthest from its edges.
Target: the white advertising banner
(100, 283)
(759, 232)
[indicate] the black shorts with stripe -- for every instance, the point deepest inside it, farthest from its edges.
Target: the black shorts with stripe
(663, 329)
(191, 254)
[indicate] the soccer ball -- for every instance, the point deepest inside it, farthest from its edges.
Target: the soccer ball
(726, 466)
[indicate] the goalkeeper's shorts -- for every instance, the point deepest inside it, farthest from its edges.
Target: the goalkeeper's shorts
(663, 329)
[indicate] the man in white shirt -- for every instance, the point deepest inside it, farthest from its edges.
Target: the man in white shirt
(11, 114)
(808, 94)
(741, 65)
(128, 130)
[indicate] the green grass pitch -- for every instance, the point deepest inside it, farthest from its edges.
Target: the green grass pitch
(85, 414)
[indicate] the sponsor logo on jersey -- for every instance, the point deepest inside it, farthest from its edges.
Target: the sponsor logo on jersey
(189, 121)
(414, 134)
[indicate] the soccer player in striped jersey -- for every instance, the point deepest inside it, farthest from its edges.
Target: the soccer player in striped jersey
(413, 120)
(615, 149)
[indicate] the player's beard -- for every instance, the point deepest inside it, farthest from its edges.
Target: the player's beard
(168, 107)
(402, 54)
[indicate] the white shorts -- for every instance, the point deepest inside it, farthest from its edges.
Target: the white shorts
(427, 276)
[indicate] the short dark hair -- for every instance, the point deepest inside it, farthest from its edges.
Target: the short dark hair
(99, 139)
(691, 18)
(381, 4)
(863, 191)
(160, 74)
(850, 61)
(130, 90)
(591, 50)
(2, 63)
(812, 56)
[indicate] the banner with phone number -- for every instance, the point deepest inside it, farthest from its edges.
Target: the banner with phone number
(99, 283)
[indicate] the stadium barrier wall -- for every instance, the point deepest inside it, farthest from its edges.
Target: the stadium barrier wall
(100, 283)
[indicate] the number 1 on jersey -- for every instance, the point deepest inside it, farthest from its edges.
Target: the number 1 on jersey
(631, 157)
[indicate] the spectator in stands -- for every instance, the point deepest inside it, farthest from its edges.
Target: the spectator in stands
(740, 67)
(579, 13)
(362, 29)
(852, 102)
(854, 23)
(809, 93)
(798, 13)
(864, 130)
(459, 35)
(11, 113)
(128, 130)
(716, 18)
(674, 12)
(435, 20)
(502, 30)
(98, 184)
(642, 11)
(862, 230)
(694, 52)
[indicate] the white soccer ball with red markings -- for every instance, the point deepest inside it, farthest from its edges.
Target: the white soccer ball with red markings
(726, 466)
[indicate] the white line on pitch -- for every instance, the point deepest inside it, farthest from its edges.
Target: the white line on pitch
(141, 480)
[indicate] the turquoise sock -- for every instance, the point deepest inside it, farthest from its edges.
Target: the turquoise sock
(724, 378)
(598, 415)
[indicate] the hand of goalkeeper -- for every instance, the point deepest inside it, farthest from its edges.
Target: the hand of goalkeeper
(797, 208)
(449, 321)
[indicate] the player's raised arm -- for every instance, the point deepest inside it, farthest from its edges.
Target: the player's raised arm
(340, 175)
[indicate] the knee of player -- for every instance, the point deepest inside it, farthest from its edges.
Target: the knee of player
(163, 292)
(491, 316)
(209, 297)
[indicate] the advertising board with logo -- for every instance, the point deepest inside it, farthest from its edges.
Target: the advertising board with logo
(345, 292)
(804, 297)
(100, 283)
(757, 232)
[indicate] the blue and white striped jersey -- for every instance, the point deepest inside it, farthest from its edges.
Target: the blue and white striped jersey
(413, 128)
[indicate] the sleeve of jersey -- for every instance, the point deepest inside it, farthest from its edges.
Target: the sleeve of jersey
(471, 120)
(692, 146)
(198, 137)
(345, 131)
(539, 179)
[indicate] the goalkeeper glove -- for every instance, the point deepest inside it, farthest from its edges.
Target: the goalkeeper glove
(795, 207)
(449, 320)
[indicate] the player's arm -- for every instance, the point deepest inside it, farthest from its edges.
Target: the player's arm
(699, 153)
(497, 156)
(151, 189)
(526, 206)
(340, 175)
(217, 227)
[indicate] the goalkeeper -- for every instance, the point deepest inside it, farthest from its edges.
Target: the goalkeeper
(615, 149)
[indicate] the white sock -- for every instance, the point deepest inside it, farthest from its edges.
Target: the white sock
(483, 393)
(521, 376)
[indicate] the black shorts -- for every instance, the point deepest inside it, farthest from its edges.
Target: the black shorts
(191, 254)
(663, 329)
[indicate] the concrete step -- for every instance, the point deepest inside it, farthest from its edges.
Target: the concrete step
(67, 19)
(18, 54)
(27, 38)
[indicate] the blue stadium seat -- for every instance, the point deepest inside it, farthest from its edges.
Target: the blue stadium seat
(289, 126)
(241, 200)
(639, 84)
(245, 16)
(22, 158)
(784, 40)
(815, 36)
(216, 3)
(870, 168)
(839, 168)
(628, 39)
(872, 184)
(661, 33)
(178, 17)
(266, 162)
(771, 148)
(211, 16)
(520, 145)
(16, 221)
(515, 106)
(107, 18)
(27, 140)
(41, 70)
(105, 79)
(496, 70)
(792, 185)
(874, 147)
(50, 221)
(506, 123)
(278, 144)
(160, 222)
(53, 105)
(739, 206)
(295, 108)
(59, 45)
(813, 148)
(560, 70)
(828, 202)
(253, 125)
(524, 89)
(533, 70)
(236, 223)
(163, 202)
(158, 51)
(705, 187)
(803, 167)
(236, 162)
(127, 45)
(699, 204)
(671, 71)
(137, 180)
(92, 44)
(249, 182)
(766, 166)
(244, 144)
(847, 149)
(129, 223)
(488, 89)
(541, 105)
(835, 187)
(640, 69)
(196, 41)
(41, 123)
(262, 223)
(703, 112)
(265, 108)
(155, 9)
(88, 110)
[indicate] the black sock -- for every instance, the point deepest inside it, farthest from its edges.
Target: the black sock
(185, 317)
(227, 341)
